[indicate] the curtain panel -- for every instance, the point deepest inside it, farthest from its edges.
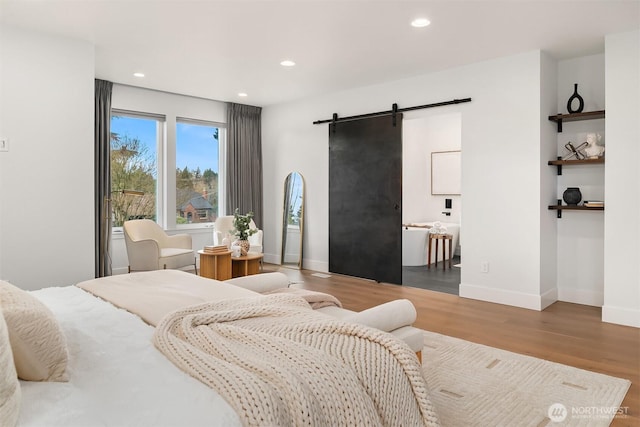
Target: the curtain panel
(244, 160)
(102, 176)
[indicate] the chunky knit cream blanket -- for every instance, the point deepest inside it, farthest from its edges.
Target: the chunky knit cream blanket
(279, 363)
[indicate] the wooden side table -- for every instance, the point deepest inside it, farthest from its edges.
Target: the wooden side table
(245, 265)
(215, 265)
(446, 239)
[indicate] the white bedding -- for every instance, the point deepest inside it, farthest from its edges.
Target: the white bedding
(117, 377)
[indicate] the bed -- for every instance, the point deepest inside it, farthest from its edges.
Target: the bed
(117, 377)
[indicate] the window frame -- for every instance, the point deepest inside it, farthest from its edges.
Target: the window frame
(165, 151)
(161, 121)
(222, 144)
(222, 166)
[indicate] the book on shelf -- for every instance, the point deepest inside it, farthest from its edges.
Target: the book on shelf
(594, 203)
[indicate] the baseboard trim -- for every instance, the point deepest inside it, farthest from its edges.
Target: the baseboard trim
(311, 264)
(621, 316)
(271, 258)
(307, 264)
(548, 298)
(581, 296)
(505, 297)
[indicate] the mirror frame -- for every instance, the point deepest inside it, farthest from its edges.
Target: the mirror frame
(285, 217)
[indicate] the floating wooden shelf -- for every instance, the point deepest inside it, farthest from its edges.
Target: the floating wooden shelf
(577, 162)
(559, 163)
(574, 117)
(561, 208)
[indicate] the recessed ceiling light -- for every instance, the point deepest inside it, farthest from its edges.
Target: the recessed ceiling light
(287, 63)
(420, 22)
(242, 94)
(138, 74)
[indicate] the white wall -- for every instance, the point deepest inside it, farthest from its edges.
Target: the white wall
(500, 178)
(622, 180)
(548, 181)
(421, 137)
(502, 185)
(46, 111)
(581, 234)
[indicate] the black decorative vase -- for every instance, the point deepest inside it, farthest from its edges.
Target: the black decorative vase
(572, 196)
(575, 96)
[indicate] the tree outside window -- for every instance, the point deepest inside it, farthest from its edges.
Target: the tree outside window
(133, 167)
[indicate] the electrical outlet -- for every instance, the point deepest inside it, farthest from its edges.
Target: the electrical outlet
(484, 267)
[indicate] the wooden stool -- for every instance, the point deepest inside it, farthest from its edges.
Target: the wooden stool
(446, 238)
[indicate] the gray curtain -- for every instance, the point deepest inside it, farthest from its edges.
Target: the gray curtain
(244, 160)
(102, 176)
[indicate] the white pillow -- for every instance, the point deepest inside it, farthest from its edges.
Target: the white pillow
(10, 394)
(38, 344)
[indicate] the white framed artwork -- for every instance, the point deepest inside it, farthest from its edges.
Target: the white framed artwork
(446, 171)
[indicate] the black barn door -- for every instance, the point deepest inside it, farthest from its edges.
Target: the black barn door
(365, 199)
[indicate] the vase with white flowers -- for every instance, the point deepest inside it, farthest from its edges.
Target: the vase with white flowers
(242, 230)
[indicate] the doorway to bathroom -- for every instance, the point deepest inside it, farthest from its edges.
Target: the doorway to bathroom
(431, 199)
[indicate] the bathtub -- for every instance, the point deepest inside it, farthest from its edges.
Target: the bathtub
(414, 243)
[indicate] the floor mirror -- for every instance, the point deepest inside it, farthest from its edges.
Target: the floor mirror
(293, 220)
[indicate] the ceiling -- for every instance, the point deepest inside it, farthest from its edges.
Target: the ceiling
(216, 49)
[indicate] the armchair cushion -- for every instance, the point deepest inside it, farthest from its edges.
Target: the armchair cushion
(150, 248)
(222, 228)
(175, 258)
(255, 240)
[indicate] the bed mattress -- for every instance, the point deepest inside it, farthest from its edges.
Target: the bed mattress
(117, 377)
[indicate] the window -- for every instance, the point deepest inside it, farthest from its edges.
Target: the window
(197, 171)
(134, 165)
(145, 174)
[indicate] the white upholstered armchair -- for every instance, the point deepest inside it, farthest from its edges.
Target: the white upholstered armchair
(150, 248)
(223, 227)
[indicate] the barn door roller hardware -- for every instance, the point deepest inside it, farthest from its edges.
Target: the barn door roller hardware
(393, 112)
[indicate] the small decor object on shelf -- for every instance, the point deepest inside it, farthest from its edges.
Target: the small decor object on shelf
(575, 151)
(593, 150)
(572, 98)
(594, 203)
(242, 231)
(572, 196)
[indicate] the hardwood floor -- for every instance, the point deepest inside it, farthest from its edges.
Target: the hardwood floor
(566, 333)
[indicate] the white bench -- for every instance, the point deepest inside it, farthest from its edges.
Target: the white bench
(395, 317)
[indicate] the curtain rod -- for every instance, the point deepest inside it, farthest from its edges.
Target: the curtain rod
(394, 110)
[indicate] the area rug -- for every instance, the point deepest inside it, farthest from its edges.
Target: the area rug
(476, 385)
